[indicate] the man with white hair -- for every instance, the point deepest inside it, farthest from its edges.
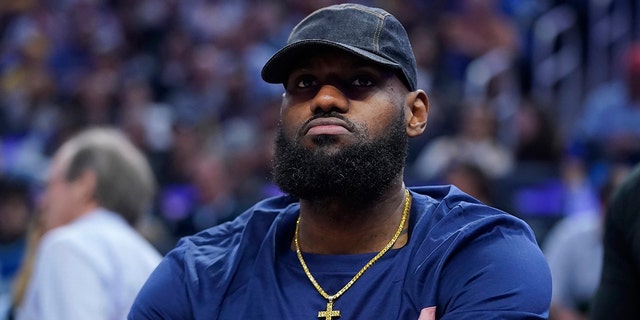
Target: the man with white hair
(91, 262)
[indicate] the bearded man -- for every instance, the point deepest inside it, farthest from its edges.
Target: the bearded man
(349, 240)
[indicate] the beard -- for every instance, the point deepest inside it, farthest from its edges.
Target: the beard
(357, 174)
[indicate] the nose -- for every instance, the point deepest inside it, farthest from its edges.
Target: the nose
(329, 98)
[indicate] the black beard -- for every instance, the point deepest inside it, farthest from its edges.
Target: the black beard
(357, 175)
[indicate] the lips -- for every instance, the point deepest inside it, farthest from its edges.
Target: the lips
(331, 126)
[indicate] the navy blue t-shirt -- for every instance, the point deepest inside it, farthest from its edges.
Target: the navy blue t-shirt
(468, 260)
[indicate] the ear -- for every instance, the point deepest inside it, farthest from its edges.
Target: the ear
(416, 112)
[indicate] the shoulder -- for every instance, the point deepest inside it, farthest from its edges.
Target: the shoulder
(253, 224)
(216, 250)
(201, 267)
(447, 209)
(94, 232)
(64, 237)
(472, 254)
(453, 223)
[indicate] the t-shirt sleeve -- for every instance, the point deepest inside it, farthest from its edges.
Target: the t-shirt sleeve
(164, 295)
(497, 271)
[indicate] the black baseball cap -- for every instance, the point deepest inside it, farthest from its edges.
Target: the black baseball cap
(370, 33)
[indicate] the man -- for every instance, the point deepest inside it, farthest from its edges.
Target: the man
(574, 250)
(349, 241)
(618, 101)
(91, 262)
(619, 290)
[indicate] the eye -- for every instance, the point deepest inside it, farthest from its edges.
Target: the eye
(363, 81)
(305, 82)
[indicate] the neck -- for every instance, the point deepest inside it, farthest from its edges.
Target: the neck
(331, 227)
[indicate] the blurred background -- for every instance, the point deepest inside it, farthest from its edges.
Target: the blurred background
(535, 105)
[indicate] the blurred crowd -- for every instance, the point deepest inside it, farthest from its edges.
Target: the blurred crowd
(182, 79)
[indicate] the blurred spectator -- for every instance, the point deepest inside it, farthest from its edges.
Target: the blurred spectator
(427, 52)
(21, 280)
(91, 262)
(537, 170)
(611, 114)
(149, 124)
(470, 178)
(187, 140)
(475, 28)
(537, 139)
(619, 288)
(15, 212)
(475, 142)
(573, 249)
(213, 199)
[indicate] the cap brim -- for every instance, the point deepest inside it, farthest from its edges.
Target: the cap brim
(278, 67)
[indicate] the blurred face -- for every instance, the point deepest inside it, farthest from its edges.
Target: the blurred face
(209, 178)
(14, 217)
(59, 201)
(478, 123)
(342, 131)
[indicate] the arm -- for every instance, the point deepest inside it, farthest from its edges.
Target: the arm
(496, 271)
(164, 295)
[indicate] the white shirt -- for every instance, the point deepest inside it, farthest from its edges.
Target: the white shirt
(574, 251)
(92, 268)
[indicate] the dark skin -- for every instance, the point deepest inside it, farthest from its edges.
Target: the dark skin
(369, 97)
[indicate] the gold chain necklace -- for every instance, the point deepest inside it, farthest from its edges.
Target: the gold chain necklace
(329, 313)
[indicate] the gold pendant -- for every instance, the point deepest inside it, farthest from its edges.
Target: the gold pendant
(329, 313)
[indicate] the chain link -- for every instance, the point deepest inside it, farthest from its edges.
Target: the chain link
(334, 297)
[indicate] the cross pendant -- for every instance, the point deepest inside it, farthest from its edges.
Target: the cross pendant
(329, 313)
